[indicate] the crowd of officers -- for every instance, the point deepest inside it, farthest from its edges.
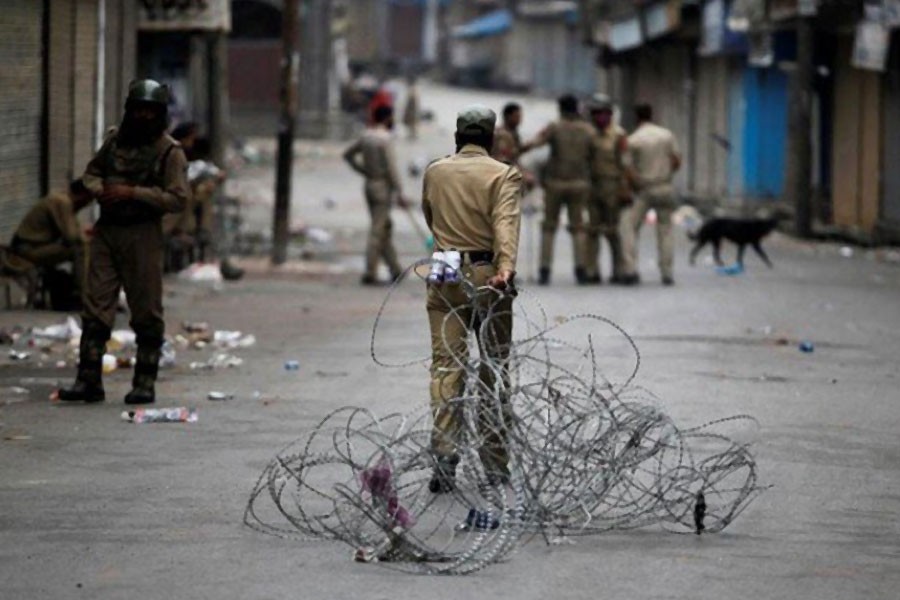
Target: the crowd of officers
(604, 178)
(607, 181)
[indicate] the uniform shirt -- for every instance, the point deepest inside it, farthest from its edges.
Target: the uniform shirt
(650, 152)
(471, 203)
(157, 171)
(373, 157)
(51, 219)
(607, 163)
(507, 145)
(571, 151)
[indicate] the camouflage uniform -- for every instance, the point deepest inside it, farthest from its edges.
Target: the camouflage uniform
(126, 251)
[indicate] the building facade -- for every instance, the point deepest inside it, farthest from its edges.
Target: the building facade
(66, 67)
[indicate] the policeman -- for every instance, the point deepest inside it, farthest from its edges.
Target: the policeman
(567, 182)
(653, 159)
(138, 175)
(507, 142)
(372, 156)
(50, 233)
(471, 204)
(608, 189)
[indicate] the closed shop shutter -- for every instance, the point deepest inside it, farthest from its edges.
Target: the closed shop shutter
(890, 201)
(21, 82)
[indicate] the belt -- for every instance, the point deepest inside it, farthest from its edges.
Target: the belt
(476, 256)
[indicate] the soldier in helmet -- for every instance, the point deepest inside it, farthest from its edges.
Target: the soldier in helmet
(472, 206)
(138, 175)
(609, 189)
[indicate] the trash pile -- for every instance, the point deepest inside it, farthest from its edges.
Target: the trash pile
(58, 345)
(589, 452)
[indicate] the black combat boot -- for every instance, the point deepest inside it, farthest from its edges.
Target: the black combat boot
(443, 478)
(544, 276)
(88, 386)
(146, 368)
(581, 277)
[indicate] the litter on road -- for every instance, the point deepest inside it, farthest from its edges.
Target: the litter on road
(160, 415)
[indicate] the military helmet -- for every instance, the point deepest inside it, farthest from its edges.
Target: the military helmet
(476, 119)
(600, 102)
(148, 90)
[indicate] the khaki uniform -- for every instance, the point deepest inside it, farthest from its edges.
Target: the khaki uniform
(507, 145)
(373, 157)
(471, 204)
(126, 251)
(608, 187)
(50, 234)
(650, 152)
(411, 112)
(567, 182)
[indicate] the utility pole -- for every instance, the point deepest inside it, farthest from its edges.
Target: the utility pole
(799, 148)
(290, 70)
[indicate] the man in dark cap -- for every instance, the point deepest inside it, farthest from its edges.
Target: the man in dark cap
(471, 204)
(138, 175)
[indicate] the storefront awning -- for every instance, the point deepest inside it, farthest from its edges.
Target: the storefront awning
(493, 23)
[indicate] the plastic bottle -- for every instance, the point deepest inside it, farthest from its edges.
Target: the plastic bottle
(161, 415)
(451, 271)
(436, 276)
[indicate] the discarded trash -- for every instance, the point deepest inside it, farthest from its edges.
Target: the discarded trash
(219, 361)
(847, 252)
(233, 339)
(124, 362)
(16, 355)
(17, 390)
(807, 346)
(195, 326)
(8, 337)
(16, 438)
(160, 415)
(167, 357)
(291, 365)
(63, 332)
(318, 235)
(200, 272)
(330, 204)
(110, 364)
(219, 396)
(735, 269)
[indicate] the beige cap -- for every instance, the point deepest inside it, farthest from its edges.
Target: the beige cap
(476, 119)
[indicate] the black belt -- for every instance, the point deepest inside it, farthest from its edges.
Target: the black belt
(476, 256)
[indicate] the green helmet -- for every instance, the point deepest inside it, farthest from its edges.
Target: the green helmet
(148, 90)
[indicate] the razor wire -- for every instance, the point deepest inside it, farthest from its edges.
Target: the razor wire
(586, 455)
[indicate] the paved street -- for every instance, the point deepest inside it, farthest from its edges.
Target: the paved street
(93, 507)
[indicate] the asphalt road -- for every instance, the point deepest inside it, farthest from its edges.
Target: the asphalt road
(93, 507)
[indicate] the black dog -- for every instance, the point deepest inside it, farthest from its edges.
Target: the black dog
(740, 231)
